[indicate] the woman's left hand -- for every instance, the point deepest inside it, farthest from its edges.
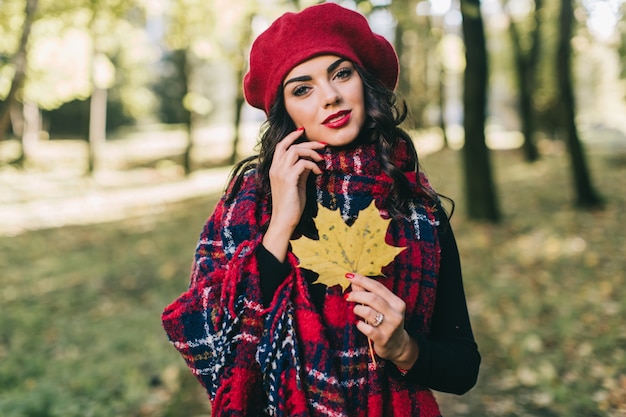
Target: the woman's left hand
(391, 340)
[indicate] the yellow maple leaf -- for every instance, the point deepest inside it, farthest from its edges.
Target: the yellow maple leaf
(360, 248)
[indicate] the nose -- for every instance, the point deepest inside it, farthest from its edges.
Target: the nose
(331, 96)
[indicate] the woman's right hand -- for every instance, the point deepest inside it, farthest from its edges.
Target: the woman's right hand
(291, 166)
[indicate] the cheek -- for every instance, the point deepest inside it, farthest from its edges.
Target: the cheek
(295, 112)
(359, 108)
(301, 115)
(360, 98)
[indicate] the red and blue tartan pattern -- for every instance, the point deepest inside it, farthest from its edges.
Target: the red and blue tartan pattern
(291, 359)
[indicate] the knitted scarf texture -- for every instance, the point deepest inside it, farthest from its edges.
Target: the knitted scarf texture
(296, 358)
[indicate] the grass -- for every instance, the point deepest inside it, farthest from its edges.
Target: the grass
(80, 331)
(546, 290)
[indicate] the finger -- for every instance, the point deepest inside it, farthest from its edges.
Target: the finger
(304, 166)
(284, 164)
(288, 154)
(312, 144)
(376, 296)
(288, 140)
(379, 335)
(302, 151)
(366, 283)
(367, 313)
(293, 174)
(368, 331)
(366, 298)
(293, 137)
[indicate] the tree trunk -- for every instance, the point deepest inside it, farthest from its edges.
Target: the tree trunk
(436, 57)
(30, 132)
(98, 101)
(412, 41)
(403, 79)
(525, 70)
(239, 101)
(186, 73)
(442, 106)
(586, 195)
(239, 63)
(480, 189)
(97, 125)
(20, 61)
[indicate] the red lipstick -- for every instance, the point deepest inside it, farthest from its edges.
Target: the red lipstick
(337, 120)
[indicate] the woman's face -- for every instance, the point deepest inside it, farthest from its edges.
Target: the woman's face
(325, 96)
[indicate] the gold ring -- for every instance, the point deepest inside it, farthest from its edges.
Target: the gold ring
(378, 320)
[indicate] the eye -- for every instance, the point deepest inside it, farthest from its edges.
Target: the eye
(300, 90)
(343, 73)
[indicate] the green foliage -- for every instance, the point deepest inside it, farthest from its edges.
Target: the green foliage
(171, 88)
(76, 43)
(71, 120)
(75, 110)
(11, 19)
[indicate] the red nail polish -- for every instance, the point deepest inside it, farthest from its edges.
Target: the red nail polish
(346, 295)
(300, 129)
(349, 275)
(324, 143)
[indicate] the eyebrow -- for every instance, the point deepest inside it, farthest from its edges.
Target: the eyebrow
(330, 69)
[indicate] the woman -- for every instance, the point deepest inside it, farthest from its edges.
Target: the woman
(258, 332)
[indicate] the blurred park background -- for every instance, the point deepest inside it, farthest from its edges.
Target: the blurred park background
(120, 121)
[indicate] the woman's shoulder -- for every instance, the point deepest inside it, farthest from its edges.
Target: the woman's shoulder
(241, 203)
(241, 183)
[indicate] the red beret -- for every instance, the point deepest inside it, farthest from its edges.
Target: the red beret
(317, 30)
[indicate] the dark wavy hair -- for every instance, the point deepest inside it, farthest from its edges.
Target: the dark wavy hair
(383, 117)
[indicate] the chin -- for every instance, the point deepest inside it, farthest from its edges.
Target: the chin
(343, 140)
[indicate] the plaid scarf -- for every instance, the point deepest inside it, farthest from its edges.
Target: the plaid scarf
(296, 358)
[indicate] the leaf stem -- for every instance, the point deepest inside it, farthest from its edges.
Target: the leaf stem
(369, 342)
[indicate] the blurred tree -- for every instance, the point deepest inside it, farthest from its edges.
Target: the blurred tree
(99, 84)
(239, 65)
(209, 31)
(479, 185)
(441, 87)
(621, 29)
(415, 48)
(445, 62)
(188, 106)
(415, 39)
(170, 87)
(59, 57)
(19, 62)
(526, 49)
(62, 66)
(30, 131)
(586, 195)
(106, 17)
(545, 96)
(190, 36)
